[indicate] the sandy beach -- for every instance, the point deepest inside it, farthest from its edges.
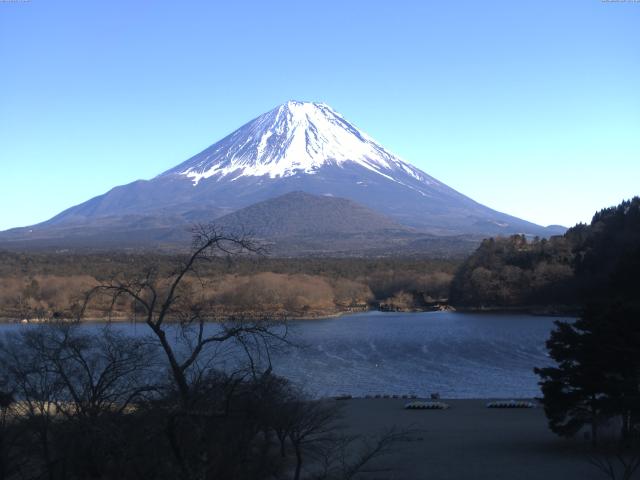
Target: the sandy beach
(470, 441)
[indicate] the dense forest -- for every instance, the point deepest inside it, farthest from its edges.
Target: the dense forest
(53, 284)
(560, 272)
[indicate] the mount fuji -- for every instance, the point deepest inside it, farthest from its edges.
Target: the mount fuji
(296, 147)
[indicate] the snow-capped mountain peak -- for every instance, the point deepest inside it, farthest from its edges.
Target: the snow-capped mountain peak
(300, 147)
(293, 138)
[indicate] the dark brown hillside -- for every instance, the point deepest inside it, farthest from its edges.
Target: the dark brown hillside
(301, 214)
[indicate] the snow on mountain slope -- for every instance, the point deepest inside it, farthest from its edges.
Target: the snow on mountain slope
(296, 147)
(296, 137)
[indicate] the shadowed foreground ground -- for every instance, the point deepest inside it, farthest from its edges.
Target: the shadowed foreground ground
(470, 441)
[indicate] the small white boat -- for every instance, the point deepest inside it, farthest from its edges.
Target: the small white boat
(511, 404)
(418, 405)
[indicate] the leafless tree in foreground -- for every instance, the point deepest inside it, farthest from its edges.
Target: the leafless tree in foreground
(346, 457)
(83, 398)
(59, 376)
(321, 448)
(617, 458)
(185, 324)
(165, 302)
(10, 460)
(88, 374)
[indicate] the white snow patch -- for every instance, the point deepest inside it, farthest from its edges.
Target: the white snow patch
(296, 137)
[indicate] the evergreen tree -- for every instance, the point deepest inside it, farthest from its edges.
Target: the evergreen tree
(597, 376)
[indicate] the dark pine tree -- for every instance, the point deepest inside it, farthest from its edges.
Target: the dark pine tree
(597, 376)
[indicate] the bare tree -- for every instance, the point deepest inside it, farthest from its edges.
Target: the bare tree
(57, 367)
(617, 457)
(313, 422)
(321, 448)
(165, 299)
(11, 461)
(619, 465)
(37, 390)
(347, 456)
(185, 324)
(97, 373)
(59, 374)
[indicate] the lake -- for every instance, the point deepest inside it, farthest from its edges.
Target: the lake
(459, 355)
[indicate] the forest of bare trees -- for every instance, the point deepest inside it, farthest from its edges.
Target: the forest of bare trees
(53, 284)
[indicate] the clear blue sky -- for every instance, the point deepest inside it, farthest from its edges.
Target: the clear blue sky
(530, 107)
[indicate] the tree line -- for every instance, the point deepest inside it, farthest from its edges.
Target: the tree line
(53, 285)
(519, 272)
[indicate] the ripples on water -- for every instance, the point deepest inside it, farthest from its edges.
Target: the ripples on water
(459, 355)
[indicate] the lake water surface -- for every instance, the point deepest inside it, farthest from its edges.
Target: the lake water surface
(459, 355)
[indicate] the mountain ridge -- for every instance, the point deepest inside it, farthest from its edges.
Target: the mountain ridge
(297, 146)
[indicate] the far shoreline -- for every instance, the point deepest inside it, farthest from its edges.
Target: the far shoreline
(552, 311)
